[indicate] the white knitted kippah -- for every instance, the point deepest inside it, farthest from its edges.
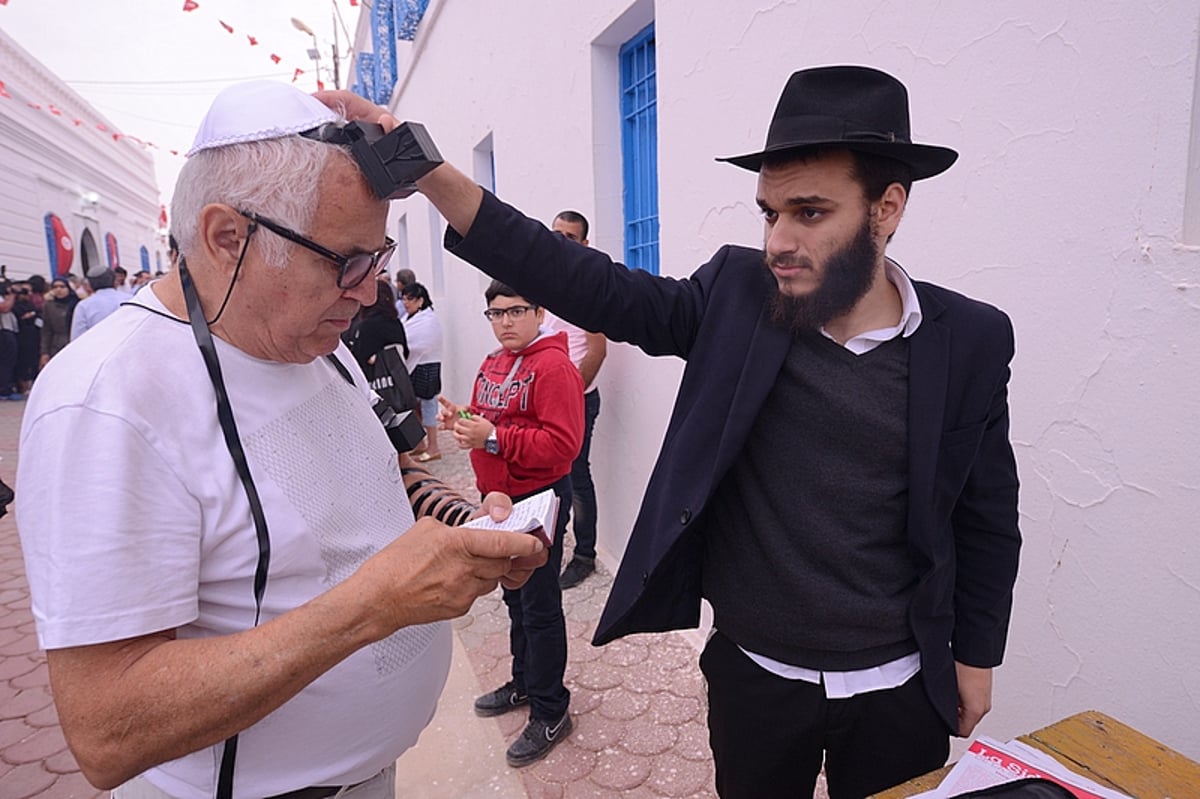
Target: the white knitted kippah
(256, 111)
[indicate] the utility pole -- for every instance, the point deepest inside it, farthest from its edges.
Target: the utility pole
(315, 51)
(337, 81)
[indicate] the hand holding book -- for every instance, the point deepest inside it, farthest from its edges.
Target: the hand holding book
(535, 514)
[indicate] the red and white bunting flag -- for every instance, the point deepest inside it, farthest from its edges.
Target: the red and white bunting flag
(226, 26)
(190, 5)
(275, 58)
(297, 74)
(320, 85)
(3, 91)
(253, 41)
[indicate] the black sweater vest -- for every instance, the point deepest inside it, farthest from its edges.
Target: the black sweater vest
(806, 559)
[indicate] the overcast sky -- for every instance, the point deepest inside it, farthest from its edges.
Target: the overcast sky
(152, 69)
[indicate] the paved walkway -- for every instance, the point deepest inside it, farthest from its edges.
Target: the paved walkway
(34, 760)
(638, 707)
(638, 704)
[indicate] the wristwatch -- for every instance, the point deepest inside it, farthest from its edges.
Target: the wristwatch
(492, 445)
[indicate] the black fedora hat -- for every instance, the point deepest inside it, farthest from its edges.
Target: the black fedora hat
(858, 108)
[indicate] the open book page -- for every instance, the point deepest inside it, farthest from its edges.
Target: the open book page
(989, 762)
(535, 514)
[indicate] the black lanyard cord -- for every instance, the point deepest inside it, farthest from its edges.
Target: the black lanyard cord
(208, 351)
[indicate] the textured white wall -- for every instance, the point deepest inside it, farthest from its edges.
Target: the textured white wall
(1066, 209)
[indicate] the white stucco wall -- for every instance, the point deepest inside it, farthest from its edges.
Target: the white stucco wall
(49, 165)
(1066, 208)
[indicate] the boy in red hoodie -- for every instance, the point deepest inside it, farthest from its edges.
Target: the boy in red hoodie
(524, 427)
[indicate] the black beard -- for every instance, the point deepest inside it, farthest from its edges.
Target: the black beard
(848, 275)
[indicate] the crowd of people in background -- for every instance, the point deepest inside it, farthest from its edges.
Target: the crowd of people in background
(39, 318)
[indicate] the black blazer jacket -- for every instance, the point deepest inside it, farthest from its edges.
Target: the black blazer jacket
(962, 499)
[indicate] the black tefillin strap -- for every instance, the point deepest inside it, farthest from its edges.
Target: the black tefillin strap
(208, 351)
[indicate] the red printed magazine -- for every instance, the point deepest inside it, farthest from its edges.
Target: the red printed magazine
(1019, 769)
(988, 762)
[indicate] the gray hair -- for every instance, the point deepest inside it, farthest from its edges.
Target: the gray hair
(278, 178)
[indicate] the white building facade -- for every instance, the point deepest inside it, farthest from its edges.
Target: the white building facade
(1074, 206)
(75, 192)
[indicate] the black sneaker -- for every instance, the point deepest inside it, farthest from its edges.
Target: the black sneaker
(576, 572)
(501, 700)
(537, 740)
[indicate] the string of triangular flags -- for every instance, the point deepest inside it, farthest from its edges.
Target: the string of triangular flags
(53, 110)
(116, 135)
(192, 5)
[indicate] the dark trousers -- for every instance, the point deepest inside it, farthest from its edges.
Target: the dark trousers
(538, 630)
(8, 362)
(583, 502)
(769, 735)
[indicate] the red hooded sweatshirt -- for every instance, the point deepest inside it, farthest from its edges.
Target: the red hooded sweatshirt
(537, 409)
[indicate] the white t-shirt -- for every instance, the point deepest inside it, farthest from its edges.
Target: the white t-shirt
(424, 334)
(133, 520)
(576, 340)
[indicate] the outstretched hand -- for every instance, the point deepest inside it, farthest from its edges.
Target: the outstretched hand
(355, 108)
(434, 572)
(451, 192)
(447, 413)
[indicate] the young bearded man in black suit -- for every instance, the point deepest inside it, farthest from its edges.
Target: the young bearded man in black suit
(836, 478)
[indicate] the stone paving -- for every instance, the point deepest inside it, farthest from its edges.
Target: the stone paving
(34, 760)
(637, 704)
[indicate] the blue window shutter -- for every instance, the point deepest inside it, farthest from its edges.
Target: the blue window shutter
(639, 150)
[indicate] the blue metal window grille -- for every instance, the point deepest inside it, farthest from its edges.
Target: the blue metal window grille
(639, 150)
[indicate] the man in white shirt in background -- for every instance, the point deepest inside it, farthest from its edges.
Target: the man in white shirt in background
(587, 351)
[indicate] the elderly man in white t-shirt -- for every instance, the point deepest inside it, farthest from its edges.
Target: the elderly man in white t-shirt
(269, 621)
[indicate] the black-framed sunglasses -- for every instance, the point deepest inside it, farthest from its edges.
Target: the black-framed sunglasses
(514, 312)
(352, 269)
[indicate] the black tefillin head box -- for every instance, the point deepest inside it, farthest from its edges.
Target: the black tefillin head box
(392, 162)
